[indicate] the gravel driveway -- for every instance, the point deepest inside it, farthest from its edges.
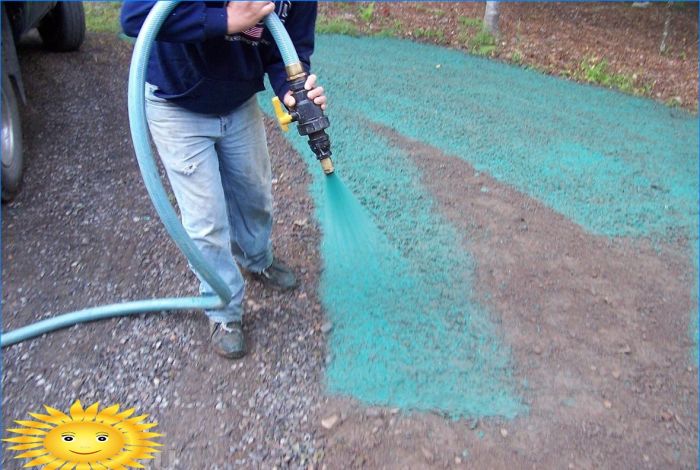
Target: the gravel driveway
(83, 233)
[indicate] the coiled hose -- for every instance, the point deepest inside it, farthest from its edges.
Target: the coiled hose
(154, 186)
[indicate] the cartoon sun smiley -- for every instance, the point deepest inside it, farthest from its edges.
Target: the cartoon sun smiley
(86, 439)
(84, 442)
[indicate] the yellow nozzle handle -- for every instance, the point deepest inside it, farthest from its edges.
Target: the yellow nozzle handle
(283, 117)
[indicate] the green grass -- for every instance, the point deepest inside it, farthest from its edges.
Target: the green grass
(480, 42)
(470, 22)
(429, 33)
(483, 43)
(366, 12)
(102, 17)
(517, 58)
(325, 25)
(598, 72)
(392, 31)
(673, 102)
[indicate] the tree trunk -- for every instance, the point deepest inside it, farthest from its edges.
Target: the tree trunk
(667, 25)
(491, 18)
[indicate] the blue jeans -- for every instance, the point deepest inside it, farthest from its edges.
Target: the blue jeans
(219, 170)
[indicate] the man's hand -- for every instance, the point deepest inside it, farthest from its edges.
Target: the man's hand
(244, 15)
(315, 94)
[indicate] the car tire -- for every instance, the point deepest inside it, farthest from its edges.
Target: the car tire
(11, 142)
(63, 28)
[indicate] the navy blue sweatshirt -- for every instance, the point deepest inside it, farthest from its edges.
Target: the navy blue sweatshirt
(196, 65)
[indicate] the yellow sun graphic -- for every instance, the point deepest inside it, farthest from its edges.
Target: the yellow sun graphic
(88, 439)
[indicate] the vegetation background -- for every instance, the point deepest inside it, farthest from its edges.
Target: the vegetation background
(644, 48)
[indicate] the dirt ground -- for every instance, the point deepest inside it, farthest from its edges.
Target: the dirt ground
(557, 37)
(604, 344)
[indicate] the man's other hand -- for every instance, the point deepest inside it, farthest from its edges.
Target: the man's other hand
(245, 15)
(316, 94)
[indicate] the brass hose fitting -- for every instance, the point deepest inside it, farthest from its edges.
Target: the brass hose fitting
(310, 119)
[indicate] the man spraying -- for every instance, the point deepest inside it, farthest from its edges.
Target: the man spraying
(207, 64)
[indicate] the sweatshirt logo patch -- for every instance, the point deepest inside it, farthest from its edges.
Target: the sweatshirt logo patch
(255, 32)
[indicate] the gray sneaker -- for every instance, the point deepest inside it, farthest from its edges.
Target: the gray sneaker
(228, 339)
(278, 276)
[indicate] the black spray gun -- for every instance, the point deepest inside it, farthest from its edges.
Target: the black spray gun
(308, 115)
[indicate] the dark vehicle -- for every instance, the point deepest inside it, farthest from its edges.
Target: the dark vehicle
(62, 28)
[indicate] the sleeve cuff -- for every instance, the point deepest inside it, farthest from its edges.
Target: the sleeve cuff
(215, 22)
(282, 91)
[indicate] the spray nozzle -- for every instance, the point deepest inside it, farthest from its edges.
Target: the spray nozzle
(309, 118)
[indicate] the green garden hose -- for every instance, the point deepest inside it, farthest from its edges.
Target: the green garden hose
(154, 186)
